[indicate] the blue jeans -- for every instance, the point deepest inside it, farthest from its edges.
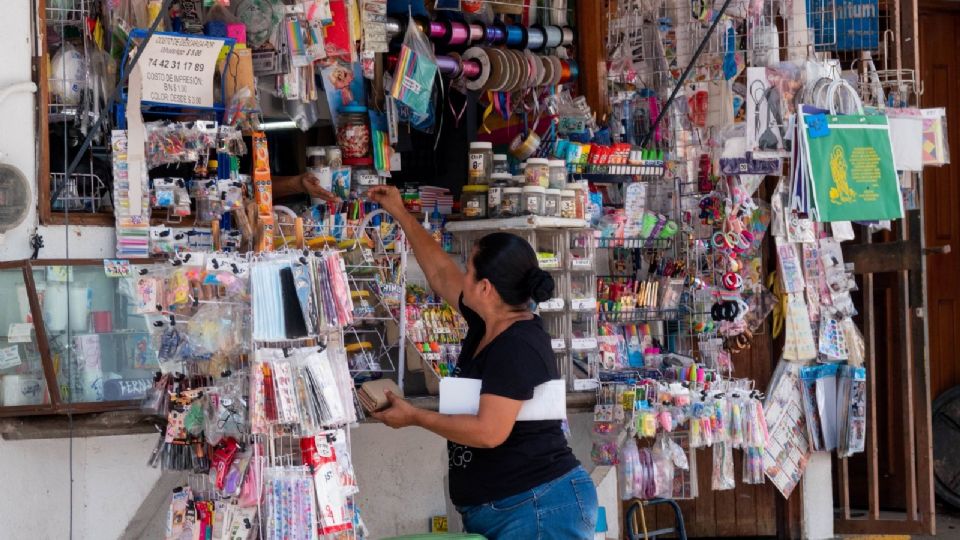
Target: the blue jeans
(563, 509)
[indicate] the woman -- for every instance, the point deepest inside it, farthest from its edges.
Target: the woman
(509, 479)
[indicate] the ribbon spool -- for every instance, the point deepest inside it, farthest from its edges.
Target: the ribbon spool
(496, 34)
(536, 37)
(554, 37)
(470, 69)
(450, 66)
(516, 37)
(499, 71)
(393, 27)
(477, 33)
(534, 69)
(567, 36)
(557, 70)
(480, 61)
(437, 31)
(459, 33)
(547, 78)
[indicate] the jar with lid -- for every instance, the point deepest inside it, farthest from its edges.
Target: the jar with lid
(480, 163)
(568, 203)
(316, 157)
(498, 182)
(579, 199)
(500, 164)
(473, 201)
(532, 200)
(551, 203)
(510, 203)
(558, 174)
(353, 135)
(537, 172)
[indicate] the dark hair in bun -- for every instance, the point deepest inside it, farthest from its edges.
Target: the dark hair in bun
(510, 264)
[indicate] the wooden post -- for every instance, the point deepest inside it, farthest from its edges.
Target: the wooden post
(591, 48)
(301, 242)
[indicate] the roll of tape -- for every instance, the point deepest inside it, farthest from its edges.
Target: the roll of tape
(567, 36)
(523, 148)
(479, 58)
(554, 36)
(536, 37)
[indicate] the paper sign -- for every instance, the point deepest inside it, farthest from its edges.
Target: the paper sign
(583, 344)
(116, 268)
(10, 357)
(179, 70)
(19, 332)
(583, 304)
(558, 344)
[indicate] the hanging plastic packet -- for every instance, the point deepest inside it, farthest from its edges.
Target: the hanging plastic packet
(723, 477)
(629, 469)
(416, 69)
(662, 467)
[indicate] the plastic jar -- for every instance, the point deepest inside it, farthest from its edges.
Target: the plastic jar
(473, 201)
(501, 165)
(558, 174)
(568, 203)
(317, 165)
(480, 163)
(353, 135)
(532, 200)
(498, 183)
(551, 203)
(537, 172)
(510, 203)
(316, 157)
(579, 199)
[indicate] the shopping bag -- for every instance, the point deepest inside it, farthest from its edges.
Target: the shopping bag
(849, 164)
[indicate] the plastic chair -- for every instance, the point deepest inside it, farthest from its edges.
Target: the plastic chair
(632, 531)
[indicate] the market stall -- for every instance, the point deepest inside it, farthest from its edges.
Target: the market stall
(686, 174)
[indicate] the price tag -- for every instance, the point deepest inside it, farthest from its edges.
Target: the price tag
(116, 268)
(583, 344)
(368, 180)
(20, 332)
(549, 263)
(179, 70)
(582, 263)
(583, 385)
(10, 357)
(583, 304)
(558, 344)
(554, 304)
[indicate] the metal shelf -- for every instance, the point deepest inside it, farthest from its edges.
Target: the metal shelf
(640, 315)
(516, 223)
(634, 243)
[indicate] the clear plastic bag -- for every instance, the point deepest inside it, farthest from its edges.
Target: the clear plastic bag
(415, 72)
(723, 478)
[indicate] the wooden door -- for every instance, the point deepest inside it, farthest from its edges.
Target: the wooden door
(940, 69)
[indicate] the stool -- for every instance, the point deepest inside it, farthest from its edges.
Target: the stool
(637, 506)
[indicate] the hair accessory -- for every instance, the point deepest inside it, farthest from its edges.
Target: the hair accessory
(732, 281)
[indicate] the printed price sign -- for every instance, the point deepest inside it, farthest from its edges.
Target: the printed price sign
(583, 304)
(583, 344)
(558, 344)
(179, 70)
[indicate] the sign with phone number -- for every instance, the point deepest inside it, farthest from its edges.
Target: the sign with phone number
(179, 70)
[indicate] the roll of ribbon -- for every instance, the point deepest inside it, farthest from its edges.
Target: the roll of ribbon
(496, 34)
(564, 72)
(449, 66)
(477, 33)
(516, 37)
(567, 36)
(471, 69)
(478, 58)
(536, 37)
(554, 36)
(438, 31)
(547, 78)
(557, 70)
(393, 26)
(574, 69)
(459, 33)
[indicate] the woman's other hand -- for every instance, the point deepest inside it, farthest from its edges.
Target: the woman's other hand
(388, 197)
(399, 414)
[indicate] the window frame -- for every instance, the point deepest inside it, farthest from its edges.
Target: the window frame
(57, 406)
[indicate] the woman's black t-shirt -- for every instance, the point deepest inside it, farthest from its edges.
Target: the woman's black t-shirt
(535, 452)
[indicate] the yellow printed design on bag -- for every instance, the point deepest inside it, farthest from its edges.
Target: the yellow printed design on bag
(840, 193)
